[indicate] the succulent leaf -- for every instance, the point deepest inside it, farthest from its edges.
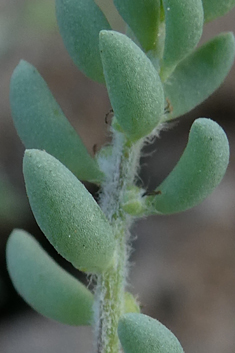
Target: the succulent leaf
(143, 18)
(200, 74)
(67, 213)
(133, 84)
(140, 333)
(216, 8)
(132, 202)
(41, 123)
(199, 170)
(44, 285)
(184, 25)
(131, 304)
(80, 22)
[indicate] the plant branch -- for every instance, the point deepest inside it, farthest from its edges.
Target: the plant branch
(110, 289)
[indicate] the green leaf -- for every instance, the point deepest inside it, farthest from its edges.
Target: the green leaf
(184, 25)
(80, 22)
(41, 123)
(132, 201)
(133, 84)
(44, 285)
(140, 333)
(216, 8)
(200, 74)
(131, 304)
(143, 17)
(199, 170)
(67, 213)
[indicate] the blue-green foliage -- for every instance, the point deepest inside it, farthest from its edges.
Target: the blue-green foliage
(200, 74)
(45, 285)
(198, 172)
(140, 333)
(216, 8)
(67, 213)
(80, 22)
(184, 24)
(133, 84)
(143, 17)
(44, 126)
(157, 76)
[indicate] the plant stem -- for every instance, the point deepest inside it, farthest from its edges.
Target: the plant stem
(111, 286)
(110, 289)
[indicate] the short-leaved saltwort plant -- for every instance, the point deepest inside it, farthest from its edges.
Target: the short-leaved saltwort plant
(153, 74)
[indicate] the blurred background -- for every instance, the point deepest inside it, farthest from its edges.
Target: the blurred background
(184, 273)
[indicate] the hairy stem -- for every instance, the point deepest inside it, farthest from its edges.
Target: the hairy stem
(111, 286)
(110, 289)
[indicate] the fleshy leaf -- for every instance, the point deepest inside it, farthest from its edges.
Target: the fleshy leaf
(44, 285)
(199, 170)
(67, 213)
(143, 18)
(132, 202)
(131, 304)
(41, 123)
(200, 74)
(184, 25)
(80, 22)
(133, 84)
(216, 8)
(140, 333)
